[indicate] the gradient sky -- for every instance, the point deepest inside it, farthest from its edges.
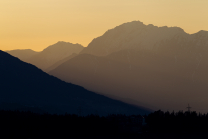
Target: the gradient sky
(36, 24)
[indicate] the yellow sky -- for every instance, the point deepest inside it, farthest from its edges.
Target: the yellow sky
(36, 24)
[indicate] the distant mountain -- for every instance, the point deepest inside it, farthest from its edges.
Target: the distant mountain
(132, 35)
(160, 67)
(53, 54)
(100, 74)
(23, 54)
(120, 79)
(60, 62)
(25, 87)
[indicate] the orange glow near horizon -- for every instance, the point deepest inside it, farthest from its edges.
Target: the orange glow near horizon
(36, 24)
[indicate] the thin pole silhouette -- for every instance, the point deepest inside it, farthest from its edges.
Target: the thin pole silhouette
(189, 108)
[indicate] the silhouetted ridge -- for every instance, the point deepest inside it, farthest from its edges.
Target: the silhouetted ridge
(49, 55)
(131, 35)
(61, 45)
(24, 85)
(60, 62)
(23, 54)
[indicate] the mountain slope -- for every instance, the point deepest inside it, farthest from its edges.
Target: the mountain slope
(22, 54)
(152, 80)
(111, 77)
(132, 35)
(160, 67)
(27, 86)
(60, 62)
(53, 54)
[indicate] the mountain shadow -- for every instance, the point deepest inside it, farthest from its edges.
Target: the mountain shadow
(24, 86)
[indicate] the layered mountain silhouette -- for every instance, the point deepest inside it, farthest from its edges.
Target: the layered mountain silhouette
(24, 86)
(60, 62)
(24, 54)
(161, 67)
(51, 55)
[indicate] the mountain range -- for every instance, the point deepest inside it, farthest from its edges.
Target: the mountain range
(158, 67)
(145, 65)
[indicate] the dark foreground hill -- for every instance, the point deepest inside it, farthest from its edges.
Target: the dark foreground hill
(25, 87)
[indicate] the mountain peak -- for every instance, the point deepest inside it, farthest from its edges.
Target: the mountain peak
(202, 32)
(132, 35)
(130, 25)
(62, 45)
(62, 42)
(55, 53)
